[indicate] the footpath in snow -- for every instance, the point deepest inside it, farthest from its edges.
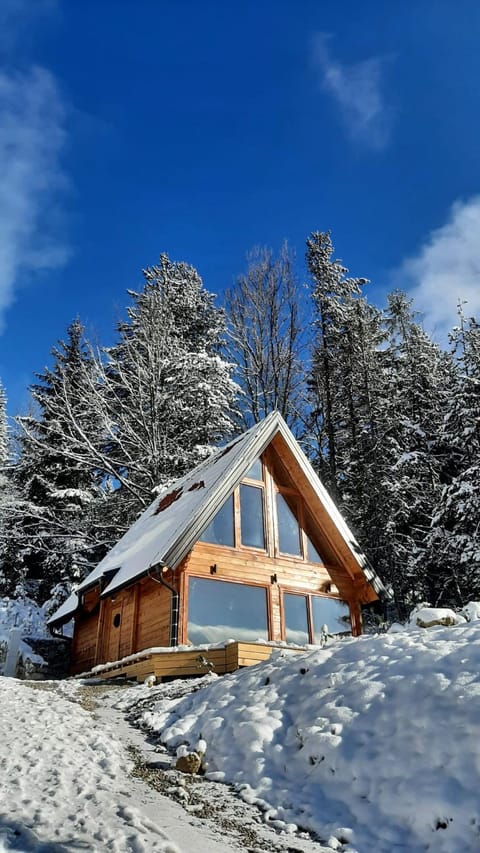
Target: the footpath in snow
(64, 779)
(68, 782)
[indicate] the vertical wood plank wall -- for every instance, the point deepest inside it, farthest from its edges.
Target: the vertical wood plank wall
(144, 611)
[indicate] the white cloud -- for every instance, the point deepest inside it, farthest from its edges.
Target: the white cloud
(357, 90)
(32, 135)
(446, 269)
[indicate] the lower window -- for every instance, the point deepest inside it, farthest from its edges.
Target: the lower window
(306, 616)
(219, 610)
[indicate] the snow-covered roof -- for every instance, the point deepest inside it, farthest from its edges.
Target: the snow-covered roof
(167, 530)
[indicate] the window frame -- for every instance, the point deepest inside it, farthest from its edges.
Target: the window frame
(254, 484)
(230, 580)
(270, 489)
(310, 622)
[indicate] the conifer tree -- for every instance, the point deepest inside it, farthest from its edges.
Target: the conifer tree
(55, 535)
(416, 379)
(7, 495)
(154, 403)
(342, 398)
(451, 557)
(166, 393)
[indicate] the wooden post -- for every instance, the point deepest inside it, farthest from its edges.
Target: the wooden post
(356, 618)
(100, 627)
(133, 634)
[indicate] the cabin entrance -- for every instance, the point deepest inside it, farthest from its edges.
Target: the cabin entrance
(115, 632)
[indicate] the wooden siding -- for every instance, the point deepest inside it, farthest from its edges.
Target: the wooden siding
(85, 633)
(153, 615)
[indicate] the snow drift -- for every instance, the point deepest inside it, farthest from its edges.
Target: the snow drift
(373, 743)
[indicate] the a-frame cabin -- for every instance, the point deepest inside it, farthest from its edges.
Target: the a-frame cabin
(248, 546)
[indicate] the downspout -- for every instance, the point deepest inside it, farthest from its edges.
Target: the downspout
(174, 606)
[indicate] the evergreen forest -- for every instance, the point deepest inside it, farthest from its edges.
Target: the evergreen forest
(389, 419)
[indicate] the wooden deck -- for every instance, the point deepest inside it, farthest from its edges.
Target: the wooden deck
(180, 663)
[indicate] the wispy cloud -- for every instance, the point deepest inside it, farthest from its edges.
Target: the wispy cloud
(32, 135)
(358, 91)
(446, 270)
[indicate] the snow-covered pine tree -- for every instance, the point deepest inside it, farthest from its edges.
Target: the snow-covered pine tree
(342, 398)
(7, 494)
(416, 380)
(166, 393)
(451, 559)
(267, 320)
(4, 432)
(55, 537)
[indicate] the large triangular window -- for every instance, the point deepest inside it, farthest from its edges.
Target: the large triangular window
(266, 514)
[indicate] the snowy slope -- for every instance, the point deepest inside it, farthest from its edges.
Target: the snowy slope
(374, 743)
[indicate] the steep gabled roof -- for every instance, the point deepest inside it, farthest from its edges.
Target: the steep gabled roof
(171, 525)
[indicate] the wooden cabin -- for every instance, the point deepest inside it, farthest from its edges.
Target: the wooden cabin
(248, 546)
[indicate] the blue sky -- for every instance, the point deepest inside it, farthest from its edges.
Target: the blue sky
(202, 128)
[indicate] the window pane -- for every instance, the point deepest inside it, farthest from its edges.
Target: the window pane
(296, 621)
(219, 610)
(331, 612)
(288, 530)
(220, 529)
(312, 554)
(255, 472)
(251, 514)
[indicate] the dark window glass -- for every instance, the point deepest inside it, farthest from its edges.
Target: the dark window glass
(296, 620)
(219, 610)
(312, 554)
(288, 529)
(255, 472)
(251, 514)
(331, 612)
(220, 529)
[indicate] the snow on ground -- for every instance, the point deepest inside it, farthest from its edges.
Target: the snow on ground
(64, 780)
(372, 743)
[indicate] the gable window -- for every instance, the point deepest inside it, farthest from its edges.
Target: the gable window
(255, 472)
(219, 610)
(251, 516)
(266, 516)
(307, 615)
(220, 531)
(289, 541)
(247, 505)
(312, 554)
